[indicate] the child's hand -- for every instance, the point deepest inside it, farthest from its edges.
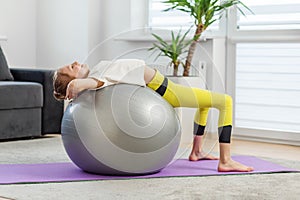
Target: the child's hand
(78, 85)
(73, 89)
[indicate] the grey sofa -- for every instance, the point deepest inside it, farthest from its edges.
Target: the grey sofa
(27, 106)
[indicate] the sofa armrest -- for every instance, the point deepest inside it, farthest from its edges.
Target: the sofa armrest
(52, 111)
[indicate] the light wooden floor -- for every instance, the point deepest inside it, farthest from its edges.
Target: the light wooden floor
(266, 150)
(261, 149)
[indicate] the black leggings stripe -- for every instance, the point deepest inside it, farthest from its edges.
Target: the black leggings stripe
(163, 87)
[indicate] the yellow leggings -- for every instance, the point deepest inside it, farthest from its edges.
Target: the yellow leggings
(183, 96)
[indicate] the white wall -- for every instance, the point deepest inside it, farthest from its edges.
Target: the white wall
(48, 34)
(95, 23)
(129, 16)
(18, 24)
(114, 20)
(62, 32)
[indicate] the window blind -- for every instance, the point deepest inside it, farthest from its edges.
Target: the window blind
(268, 86)
(167, 20)
(270, 14)
(171, 20)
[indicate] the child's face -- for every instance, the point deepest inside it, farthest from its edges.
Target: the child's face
(75, 70)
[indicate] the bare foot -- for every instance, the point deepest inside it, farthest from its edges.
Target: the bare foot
(233, 166)
(201, 156)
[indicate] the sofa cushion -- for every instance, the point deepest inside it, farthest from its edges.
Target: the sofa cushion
(16, 94)
(20, 123)
(5, 74)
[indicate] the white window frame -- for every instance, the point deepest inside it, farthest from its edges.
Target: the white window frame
(234, 37)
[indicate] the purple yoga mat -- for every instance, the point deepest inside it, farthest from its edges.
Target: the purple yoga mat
(63, 172)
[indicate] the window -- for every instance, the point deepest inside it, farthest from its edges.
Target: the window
(268, 86)
(270, 14)
(169, 20)
(267, 70)
(173, 19)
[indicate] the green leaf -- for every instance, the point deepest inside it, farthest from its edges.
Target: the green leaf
(161, 41)
(175, 48)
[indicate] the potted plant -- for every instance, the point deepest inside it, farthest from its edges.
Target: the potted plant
(174, 49)
(203, 12)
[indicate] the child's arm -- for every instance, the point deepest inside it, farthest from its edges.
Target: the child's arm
(149, 74)
(78, 85)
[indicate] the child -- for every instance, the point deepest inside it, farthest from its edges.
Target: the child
(70, 80)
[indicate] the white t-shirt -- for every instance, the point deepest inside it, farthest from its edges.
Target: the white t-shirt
(130, 71)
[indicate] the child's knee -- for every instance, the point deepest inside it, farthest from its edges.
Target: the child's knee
(228, 100)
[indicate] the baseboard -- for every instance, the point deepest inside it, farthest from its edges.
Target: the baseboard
(266, 140)
(214, 137)
(269, 136)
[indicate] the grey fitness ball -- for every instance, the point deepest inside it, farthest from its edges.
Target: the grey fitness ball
(121, 130)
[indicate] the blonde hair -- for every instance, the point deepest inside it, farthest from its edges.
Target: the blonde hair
(60, 84)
